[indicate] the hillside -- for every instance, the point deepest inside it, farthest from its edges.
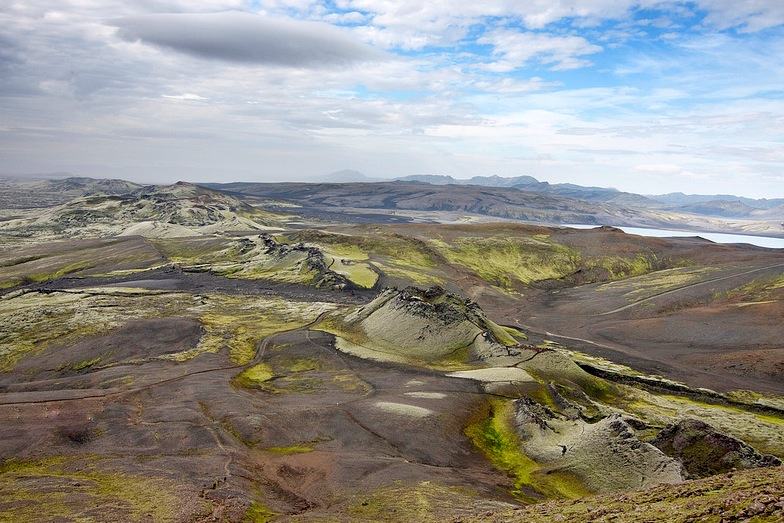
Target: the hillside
(493, 201)
(20, 193)
(375, 372)
(176, 210)
(582, 205)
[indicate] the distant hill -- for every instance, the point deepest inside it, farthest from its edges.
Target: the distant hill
(181, 209)
(85, 185)
(529, 183)
(31, 193)
(559, 203)
(519, 197)
(681, 199)
(419, 196)
(486, 181)
(721, 205)
(726, 208)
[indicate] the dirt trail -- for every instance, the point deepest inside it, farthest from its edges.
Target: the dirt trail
(689, 286)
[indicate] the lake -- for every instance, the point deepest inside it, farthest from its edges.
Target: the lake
(717, 237)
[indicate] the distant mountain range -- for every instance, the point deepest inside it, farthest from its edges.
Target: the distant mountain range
(719, 205)
(678, 198)
(487, 181)
(63, 186)
(520, 197)
(726, 205)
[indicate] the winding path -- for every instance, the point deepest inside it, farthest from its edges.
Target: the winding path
(684, 287)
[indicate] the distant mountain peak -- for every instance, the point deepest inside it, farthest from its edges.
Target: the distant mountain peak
(487, 181)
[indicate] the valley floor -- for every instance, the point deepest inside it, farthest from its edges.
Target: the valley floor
(386, 372)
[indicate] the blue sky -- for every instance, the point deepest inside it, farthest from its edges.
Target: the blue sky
(644, 95)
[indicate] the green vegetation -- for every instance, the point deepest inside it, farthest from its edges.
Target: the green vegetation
(247, 259)
(425, 501)
(293, 449)
(516, 334)
(33, 322)
(647, 285)
(497, 440)
(761, 289)
(59, 272)
(302, 364)
(254, 377)
(33, 275)
(357, 272)
(396, 255)
(84, 364)
(353, 341)
(508, 336)
(240, 323)
(298, 384)
(259, 377)
(710, 500)
(63, 487)
(258, 513)
(349, 382)
(7, 283)
(191, 251)
(620, 268)
(240, 259)
(289, 269)
(507, 262)
(763, 431)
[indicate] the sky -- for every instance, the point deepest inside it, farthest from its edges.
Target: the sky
(649, 96)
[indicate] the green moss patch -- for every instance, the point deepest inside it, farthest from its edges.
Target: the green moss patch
(395, 255)
(254, 377)
(761, 289)
(508, 262)
(239, 323)
(293, 449)
(259, 513)
(426, 501)
(359, 273)
(73, 488)
(302, 364)
(763, 431)
(494, 435)
(33, 322)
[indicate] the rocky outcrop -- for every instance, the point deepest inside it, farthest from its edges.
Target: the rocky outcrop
(179, 210)
(605, 456)
(704, 451)
(311, 259)
(429, 324)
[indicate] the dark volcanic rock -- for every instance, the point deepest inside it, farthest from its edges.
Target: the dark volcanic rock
(314, 261)
(704, 451)
(437, 304)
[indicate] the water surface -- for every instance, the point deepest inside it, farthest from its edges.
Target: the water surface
(717, 237)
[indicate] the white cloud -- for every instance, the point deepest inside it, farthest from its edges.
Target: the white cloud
(414, 24)
(748, 15)
(515, 49)
(74, 96)
(185, 97)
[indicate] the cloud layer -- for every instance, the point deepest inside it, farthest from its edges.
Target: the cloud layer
(248, 38)
(645, 95)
